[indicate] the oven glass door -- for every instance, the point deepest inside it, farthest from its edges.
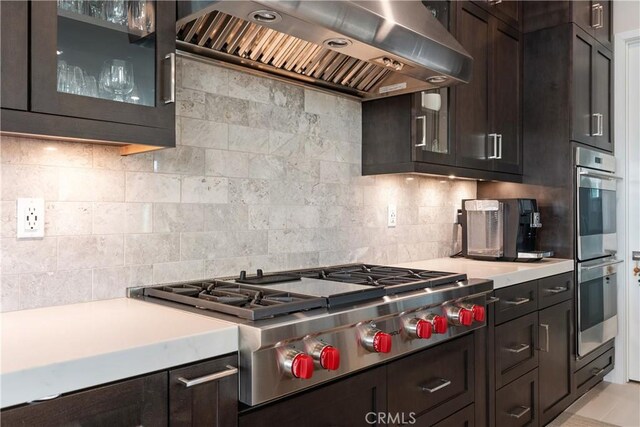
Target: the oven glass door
(596, 215)
(597, 308)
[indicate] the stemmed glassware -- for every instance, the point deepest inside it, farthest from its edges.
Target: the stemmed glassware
(116, 78)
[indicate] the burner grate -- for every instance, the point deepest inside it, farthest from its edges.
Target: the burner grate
(247, 302)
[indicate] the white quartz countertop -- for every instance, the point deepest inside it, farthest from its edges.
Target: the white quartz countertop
(54, 350)
(502, 273)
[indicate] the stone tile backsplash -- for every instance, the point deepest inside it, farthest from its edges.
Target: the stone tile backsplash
(265, 175)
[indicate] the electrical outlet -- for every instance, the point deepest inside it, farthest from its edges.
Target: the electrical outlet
(30, 220)
(392, 216)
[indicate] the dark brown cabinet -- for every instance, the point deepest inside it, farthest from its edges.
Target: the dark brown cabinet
(531, 342)
(463, 418)
(593, 86)
(509, 11)
(91, 75)
(594, 17)
(554, 366)
(14, 18)
(141, 401)
(344, 403)
(487, 111)
(574, 72)
(204, 393)
(477, 132)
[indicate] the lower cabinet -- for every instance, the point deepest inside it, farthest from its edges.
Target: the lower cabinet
(517, 403)
(356, 401)
(556, 351)
(463, 418)
(532, 339)
(204, 393)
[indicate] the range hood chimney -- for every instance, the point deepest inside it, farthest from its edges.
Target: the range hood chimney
(368, 49)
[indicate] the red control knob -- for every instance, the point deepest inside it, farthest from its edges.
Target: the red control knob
(439, 323)
(423, 329)
(330, 358)
(465, 317)
(381, 342)
(478, 313)
(302, 366)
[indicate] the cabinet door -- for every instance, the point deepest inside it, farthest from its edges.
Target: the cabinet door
(137, 402)
(602, 19)
(554, 360)
(14, 25)
(506, 98)
(517, 403)
(472, 99)
(583, 124)
(107, 61)
(347, 403)
(602, 97)
(204, 394)
(507, 10)
(430, 128)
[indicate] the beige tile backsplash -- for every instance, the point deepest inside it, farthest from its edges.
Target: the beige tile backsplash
(265, 175)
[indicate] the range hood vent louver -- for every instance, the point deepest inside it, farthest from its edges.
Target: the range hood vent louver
(289, 45)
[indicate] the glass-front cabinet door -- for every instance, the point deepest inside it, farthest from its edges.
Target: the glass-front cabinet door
(108, 60)
(431, 127)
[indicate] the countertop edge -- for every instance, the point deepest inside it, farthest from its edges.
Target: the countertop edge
(24, 386)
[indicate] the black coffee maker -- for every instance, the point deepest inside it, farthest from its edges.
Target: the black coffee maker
(501, 229)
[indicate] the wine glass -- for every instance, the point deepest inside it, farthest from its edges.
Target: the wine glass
(116, 11)
(116, 78)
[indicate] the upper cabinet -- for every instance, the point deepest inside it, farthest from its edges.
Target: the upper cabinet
(472, 130)
(101, 71)
(509, 11)
(579, 69)
(487, 111)
(594, 17)
(14, 51)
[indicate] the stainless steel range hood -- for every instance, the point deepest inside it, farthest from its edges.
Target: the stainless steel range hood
(369, 49)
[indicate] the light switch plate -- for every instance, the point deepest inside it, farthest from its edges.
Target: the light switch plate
(30, 218)
(392, 216)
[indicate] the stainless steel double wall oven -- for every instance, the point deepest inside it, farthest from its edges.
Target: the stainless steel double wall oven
(596, 249)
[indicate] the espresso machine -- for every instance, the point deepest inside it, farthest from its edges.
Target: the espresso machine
(501, 230)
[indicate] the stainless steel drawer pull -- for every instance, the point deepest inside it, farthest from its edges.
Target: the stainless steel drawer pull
(518, 348)
(492, 300)
(45, 398)
(556, 290)
(438, 384)
(596, 372)
(170, 97)
(494, 137)
(208, 378)
(423, 143)
(546, 340)
(519, 412)
(518, 301)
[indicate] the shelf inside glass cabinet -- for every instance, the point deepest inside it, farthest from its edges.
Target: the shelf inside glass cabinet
(100, 22)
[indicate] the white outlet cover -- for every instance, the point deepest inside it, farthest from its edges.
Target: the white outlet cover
(30, 218)
(392, 216)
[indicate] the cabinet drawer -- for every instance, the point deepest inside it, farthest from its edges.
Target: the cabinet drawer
(593, 373)
(204, 394)
(516, 343)
(516, 301)
(140, 401)
(463, 418)
(517, 403)
(555, 289)
(440, 379)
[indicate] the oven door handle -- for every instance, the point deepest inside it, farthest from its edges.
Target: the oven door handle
(602, 175)
(604, 264)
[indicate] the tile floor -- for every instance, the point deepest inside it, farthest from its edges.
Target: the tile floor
(604, 405)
